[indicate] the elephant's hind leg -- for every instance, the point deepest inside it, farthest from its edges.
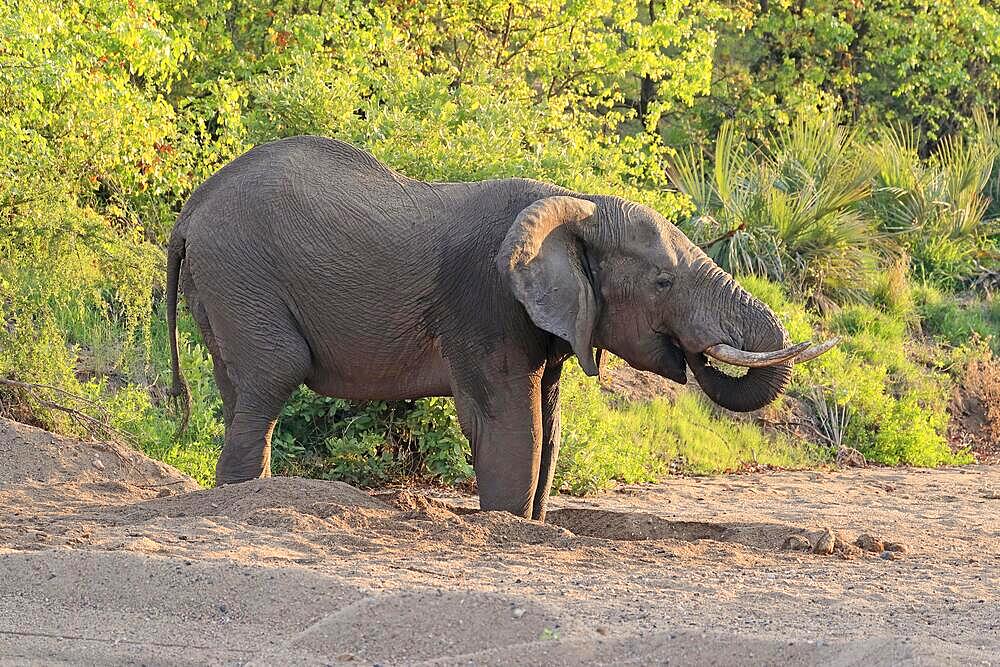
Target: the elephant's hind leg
(247, 452)
(265, 368)
(219, 369)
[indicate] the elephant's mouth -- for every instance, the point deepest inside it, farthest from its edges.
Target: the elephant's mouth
(671, 363)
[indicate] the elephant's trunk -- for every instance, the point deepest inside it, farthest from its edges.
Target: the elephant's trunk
(754, 390)
(761, 332)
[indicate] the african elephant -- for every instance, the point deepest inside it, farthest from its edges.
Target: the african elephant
(306, 260)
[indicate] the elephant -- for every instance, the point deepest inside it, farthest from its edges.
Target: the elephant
(307, 261)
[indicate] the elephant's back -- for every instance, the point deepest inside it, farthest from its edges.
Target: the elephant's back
(303, 191)
(277, 173)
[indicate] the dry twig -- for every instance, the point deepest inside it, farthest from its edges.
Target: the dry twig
(94, 427)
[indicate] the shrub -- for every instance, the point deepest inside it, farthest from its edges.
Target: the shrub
(935, 207)
(896, 409)
(788, 212)
(605, 440)
(785, 59)
(370, 443)
(957, 319)
(890, 290)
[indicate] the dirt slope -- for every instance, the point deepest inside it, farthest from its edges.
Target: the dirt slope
(126, 561)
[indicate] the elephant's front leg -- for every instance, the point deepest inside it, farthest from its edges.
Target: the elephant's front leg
(551, 434)
(503, 423)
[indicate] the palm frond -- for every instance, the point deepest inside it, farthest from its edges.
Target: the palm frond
(729, 160)
(686, 172)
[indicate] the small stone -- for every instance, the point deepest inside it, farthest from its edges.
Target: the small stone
(846, 550)
(895, 547)
(825, 543)
(869, 543)
(97, 463)
(797, 543)
(889, 555)
(518, 612)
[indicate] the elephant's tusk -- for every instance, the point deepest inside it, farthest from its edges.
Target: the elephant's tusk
(736, 357)
(817, 350)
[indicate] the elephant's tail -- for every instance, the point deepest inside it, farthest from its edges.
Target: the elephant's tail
(179, 389)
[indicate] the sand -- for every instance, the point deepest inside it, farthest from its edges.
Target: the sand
(109, 557)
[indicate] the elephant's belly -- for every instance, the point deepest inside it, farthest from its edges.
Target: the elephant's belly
(369, 377)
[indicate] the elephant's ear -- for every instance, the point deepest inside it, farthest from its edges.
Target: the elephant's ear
(541, 259)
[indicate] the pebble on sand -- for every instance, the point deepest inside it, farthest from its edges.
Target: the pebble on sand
(869, 543)
(797, 543)
(825, 543)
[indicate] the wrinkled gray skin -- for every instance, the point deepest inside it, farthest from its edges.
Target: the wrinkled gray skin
(307, 261)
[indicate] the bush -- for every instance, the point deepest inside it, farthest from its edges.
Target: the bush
(957, 320)
(890, 291)
(922, 65)
(605, 440)
(889, 407)
(370, 443)
(789, 212)
(936, 207)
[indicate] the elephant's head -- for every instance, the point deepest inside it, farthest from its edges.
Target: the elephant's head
(610, 274)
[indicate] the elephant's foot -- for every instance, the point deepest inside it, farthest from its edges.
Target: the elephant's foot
(237, 477)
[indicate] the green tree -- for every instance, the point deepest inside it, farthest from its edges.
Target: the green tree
(922, 64)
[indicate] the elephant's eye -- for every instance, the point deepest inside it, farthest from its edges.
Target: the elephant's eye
(663, 282)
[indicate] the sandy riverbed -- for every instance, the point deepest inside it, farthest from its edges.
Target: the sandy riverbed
(107, 556)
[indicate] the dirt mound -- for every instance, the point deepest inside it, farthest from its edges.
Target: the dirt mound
(631, 385)
(239, 501)
(31, 454)
(975, 410)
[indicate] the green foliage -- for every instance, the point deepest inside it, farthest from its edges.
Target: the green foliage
(889, 290)
(788, 211)
(370, 443)
(936, 207)
(925, 65)
(957, 320)
(132, 410)
(605, 440)
(74, 123)
(819, 209)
